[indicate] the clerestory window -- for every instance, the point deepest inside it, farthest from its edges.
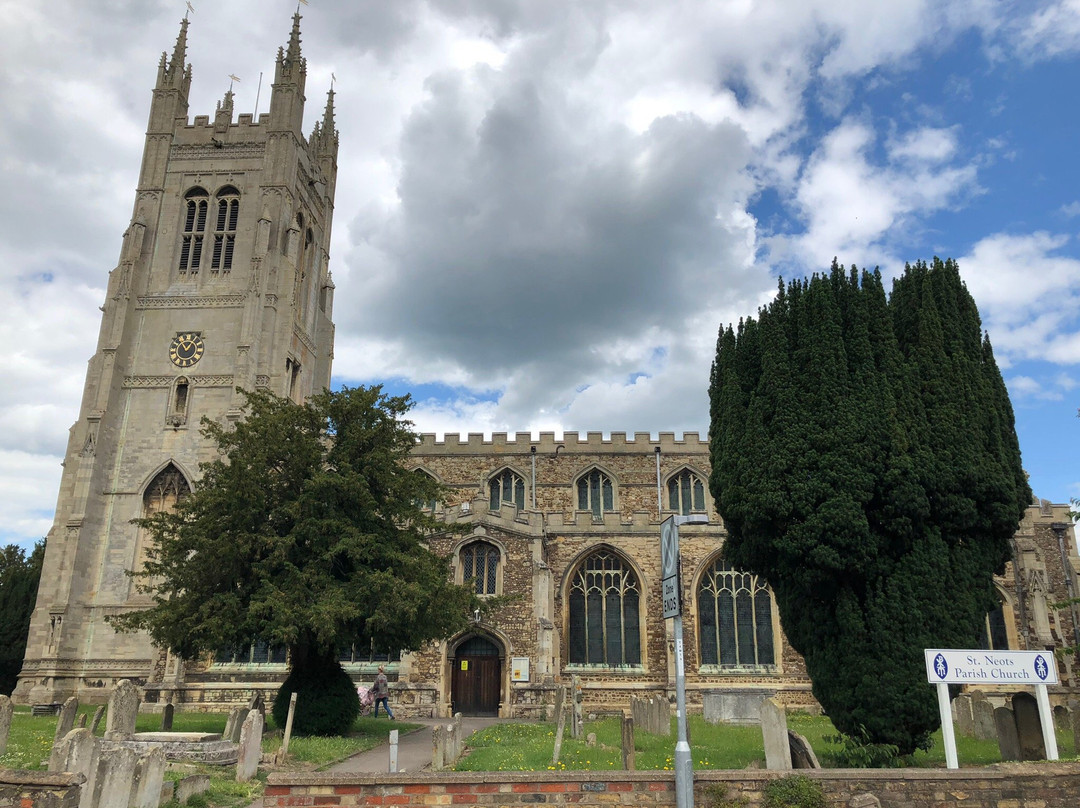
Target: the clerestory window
(686, 493)
(507, 488)
(595, 493)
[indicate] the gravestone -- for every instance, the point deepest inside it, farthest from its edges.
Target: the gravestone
(123, 710)
(1061, 717)
(1008, 741)
(247, 761)
(560, 721)
(6, 709)
(66, 722)
(167, 718)
(233, 724)
(652, 715)
(628, 751)
(578, 706)
(1028, 727)
(190, 786)
(733, 707)
(168, 790)
(774, 732)
(78, 752)
(81, 723)
(438, 747)
(98, 715)
(961, 708)
(982, 717)
(802, 754)
(116, 771)
(590, 740)
(148, 779)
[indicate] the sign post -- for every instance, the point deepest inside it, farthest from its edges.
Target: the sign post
(1034, 668)
(672, 595)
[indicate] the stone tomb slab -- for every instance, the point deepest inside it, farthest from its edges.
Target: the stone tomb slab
(198, 747)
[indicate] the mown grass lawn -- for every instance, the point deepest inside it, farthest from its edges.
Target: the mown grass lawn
(528, 747)
(30, 742)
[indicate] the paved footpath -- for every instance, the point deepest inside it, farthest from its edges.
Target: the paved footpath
(414, 748)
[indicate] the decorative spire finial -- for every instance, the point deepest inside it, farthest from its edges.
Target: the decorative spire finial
(293, 53)
(176, 64)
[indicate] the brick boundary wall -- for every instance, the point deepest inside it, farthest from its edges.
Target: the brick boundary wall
(32, 789)
(1030, 785)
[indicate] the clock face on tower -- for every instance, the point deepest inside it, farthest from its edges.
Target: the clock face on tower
(186, 349)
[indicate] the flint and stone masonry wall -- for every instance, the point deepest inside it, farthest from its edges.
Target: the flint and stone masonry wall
(1052, 785)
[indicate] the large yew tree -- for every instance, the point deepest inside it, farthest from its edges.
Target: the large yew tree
(307, 532)
(865, 462)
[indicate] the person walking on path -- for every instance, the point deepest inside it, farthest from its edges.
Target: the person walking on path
(382, 693)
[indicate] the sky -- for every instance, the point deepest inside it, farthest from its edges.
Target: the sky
(545, 211)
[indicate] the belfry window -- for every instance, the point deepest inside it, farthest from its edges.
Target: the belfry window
(595, 493)
(507, 488)
(196, 209)
(604, 612)
(480, 563)
(228, 210)
(686, 493)
(735, 613)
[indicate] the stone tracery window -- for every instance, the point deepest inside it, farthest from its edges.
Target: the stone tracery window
(168, 488)
(735, 616)
(196, 208)
(604, 612)
(595, 493)
(507, 488)
(228, 210)
(480, 562)
(686, 493)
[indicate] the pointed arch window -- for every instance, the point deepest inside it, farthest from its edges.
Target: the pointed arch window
(228, 211)
(735, 614)
(595, 493)
(604, 612)
(168, 488)
(196, 210)
(507, 488)
(429, 505)
(480, 563)
(996, 635)
(686, 493)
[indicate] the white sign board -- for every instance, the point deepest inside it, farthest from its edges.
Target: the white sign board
(519, 669)
(669, 566)
(990, 667)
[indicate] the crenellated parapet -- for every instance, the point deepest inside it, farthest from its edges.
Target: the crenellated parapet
(568, 443)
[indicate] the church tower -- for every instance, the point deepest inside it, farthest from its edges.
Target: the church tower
(222, 283)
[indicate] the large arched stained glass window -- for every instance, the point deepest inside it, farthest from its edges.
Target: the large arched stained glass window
(735, 614)
(686, 493)
(604, 612)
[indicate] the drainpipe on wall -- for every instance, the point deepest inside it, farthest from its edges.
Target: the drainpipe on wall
(659, 500)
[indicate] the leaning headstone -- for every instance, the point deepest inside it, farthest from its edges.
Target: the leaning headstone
(1061, 717)
(982, 717)
(802, 754)
(774, 732)
(123, 710)
(116, 771)
(6, 710)
(148, 778)
(233, 725)
(66, 722)
(1008, 741)
(190, 786)
(961, 707)
(1028, 727)
(81, 723)
(78, 752)
(247, 761)
(560, 722)
(99, 713)
(167, 718)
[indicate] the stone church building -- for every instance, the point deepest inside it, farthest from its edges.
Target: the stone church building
(223, 282)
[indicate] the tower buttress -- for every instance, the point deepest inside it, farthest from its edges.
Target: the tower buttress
(290, 78)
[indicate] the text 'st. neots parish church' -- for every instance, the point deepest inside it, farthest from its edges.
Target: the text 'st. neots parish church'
(223, 282)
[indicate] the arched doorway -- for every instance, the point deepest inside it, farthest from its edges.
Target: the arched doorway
(477, 674)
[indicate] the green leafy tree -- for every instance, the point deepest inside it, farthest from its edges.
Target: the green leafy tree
(308, 532)
(19, 575)
(865, 462)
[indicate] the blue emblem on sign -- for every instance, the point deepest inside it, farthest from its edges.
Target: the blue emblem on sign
(941, 667)
(1042, 670)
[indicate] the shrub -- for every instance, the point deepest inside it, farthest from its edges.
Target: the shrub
(794, 792)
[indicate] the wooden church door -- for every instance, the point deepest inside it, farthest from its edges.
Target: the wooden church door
(477, 673)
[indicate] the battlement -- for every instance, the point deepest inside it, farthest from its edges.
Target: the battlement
(569, 442)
